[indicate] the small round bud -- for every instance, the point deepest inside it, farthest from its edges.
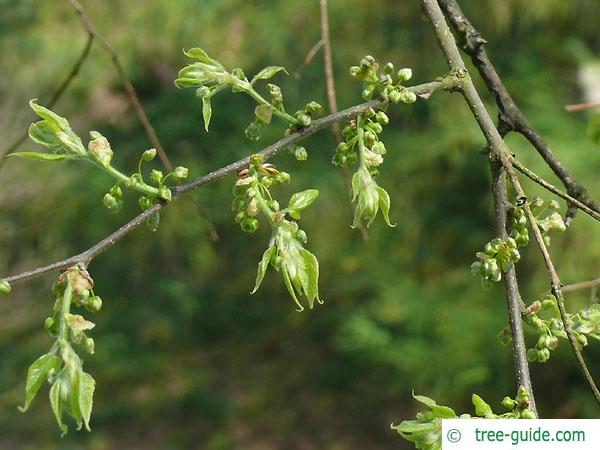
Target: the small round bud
(395, 96)
(240, 216)
(552, 342)
(528, 414)
(273, 204)
(181, 173)
(582, 340)
(110, 202)
(532, 354)
(312, 107)
(509, 403)
(165, 193)
(300, 154)
(554, 205)
(5, 288)
(404, 74)
(407, 96)
(536, 202)
(145, 203)
(238, 204)
(303, 119)
(89, 345)
(156, 176)
(116, 192)
(94, 304)
(283, 177)
(301, 236)
(382, 118)
(51, 325)
(203, 91)
(543, 355)
(354, 70)
(100, 149)
(388, 68)
(249, 225)
(149, 155)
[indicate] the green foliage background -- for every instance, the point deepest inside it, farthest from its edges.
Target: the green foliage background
(186, 358)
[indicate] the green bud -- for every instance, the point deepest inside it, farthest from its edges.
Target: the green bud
(94, 304)
(536, 202)
(156, 176)
(404, 74)
(273, 204)
(537, 323)
(240, 216)
(253, 131)
(552, 342)
(116, 192)
(203, 91)
(388, 68)
(238, 204)
(301, 236)
(509, 403)
(548, 303)
(532, 354)
(408, 96)
(89, 345)
(165, 193)
(395, 96)
(528, 414)
(382, 118)
(300, 154)
(100, 149)
(5, 288)
(367, 92)
(582, 340)
(145, 203)
(554, 205)
(303, 119)
(312, 107)
(149, 155)
(50, 325)
(282, 177)
(249, 225)
(181, 173)
(110, 202)
(543, 355)
(354, 70)
(153, 221)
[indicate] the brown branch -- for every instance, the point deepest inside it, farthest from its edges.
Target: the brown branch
(131, 92)
(539, 180)
(555, 284)
(510, 116)
(582, 106)
(137, 106)
(422, 91)
(581, 285)
(500, 158)
(60, 90)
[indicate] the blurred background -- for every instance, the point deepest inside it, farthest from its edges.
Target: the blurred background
(186, 358)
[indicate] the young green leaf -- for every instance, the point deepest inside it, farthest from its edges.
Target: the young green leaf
(206, 111)
(482, 409)
(50, 116)
(267, 73)
(300, 201)
(40, 156)
(202, 56)
(263, 265)
(36, 375)
(87, 386)
(312, 270)
(384, 205)
(56, 404)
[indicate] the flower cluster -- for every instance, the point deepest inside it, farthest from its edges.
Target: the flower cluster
(426, 430)
(498, 256)
(72, 389)
(382, 85)
(585, 325)
(550, 222)
(286, 253)
(55, 133)
(209, 77)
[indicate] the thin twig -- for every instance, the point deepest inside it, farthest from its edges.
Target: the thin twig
(309, 57)
(131, 92)
(581, 285)
(539, 180)
(500, 154)
(423, 90)
(60, 90)
(137, 106)
(555, 284)
(510, 116)
(582, 106)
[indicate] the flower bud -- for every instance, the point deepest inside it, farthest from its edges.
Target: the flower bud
(404, 74)
(552, 342)
(240, 216)
(372, 159)
(537, 323)
(89, 345)
(156, 176)
(145, 203)
(407, 96)
(532, 354)
(153, 221)
(382, 118)
(249, 225)
(303, 119)
(181, 173)
(536, 202)
(253, 131)
(354, 70)
(100, 149)
(282, 177)
(94, 304)
(379, 148)
(5, 288)
(312, 107)
(301, 236)
(149, 155)
(367, 92)
(110, 202)
(252, 208)
(203, 91)
(300, 154)
(582, 340)
(50, 325)
(165, 193)
(553, 204)
(509, 403)
(528, 414)
(388, 68)
(273, 204)
(395, 96)
(543, 355)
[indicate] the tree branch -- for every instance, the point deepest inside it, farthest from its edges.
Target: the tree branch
(555, 284)
(581, 285)
(422, 91)
(500, 159)
(539, 180)
(510, 116)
